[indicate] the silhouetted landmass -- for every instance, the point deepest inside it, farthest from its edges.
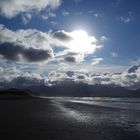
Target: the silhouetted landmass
(82, 90)
(70, 89)
(14, 93)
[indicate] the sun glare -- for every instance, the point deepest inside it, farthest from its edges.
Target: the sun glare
(82, 42)
(79, 34)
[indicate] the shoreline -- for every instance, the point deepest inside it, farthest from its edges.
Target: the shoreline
(48, 119)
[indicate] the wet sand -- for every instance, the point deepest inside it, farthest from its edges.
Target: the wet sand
(53, 119)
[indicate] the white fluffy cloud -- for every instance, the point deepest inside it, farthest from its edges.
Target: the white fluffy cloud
(129, 78)
(33, 45)
(30, 45)
(126, 79)
(11, 8)
(29, 38)
(77, 41)
(103, 38)
(61, 47)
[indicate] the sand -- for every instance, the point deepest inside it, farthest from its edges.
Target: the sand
(52, 119)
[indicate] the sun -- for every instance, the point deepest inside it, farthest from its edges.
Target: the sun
(81, 42)
(79, 34)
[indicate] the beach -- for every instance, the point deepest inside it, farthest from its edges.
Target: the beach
(69, 119)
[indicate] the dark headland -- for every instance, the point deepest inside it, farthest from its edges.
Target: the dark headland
(14, 93)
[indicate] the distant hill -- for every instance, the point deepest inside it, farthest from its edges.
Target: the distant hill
(70, 89)
(14, 93)
(81, 90)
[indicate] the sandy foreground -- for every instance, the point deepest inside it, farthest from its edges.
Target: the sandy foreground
(55, 119)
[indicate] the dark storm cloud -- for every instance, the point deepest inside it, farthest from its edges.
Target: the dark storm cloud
(62, 36)
(10, 51)
(81, 76)
(24, 80)
(70, 73)
(15, 52)
(34, 55)
(70, 59)
(133, 68)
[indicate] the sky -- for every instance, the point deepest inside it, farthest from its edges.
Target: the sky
(93, 41)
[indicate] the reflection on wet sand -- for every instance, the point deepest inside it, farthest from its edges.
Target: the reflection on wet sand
(120, 112)
(69, 119)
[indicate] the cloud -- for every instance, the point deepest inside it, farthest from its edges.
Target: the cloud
(10, 51)
(95, 14)
(83, 43)
(54, 23)
(62, 35)
(65, 13)
(123, 79)
(1, 69)
(12, 8)
(27, 80)
(77, 45)
(127, 18)
(26, 18)
(35, 55)
(32, 45)
(114, 54)
(18, 53)
(103, 38)
(56, 77)
(29, 45)
(12, 77)
(70, 57)
(29, 38)
(96, 61)
(133, 68)
(48, 15)
(70, 73)
(129, 78)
